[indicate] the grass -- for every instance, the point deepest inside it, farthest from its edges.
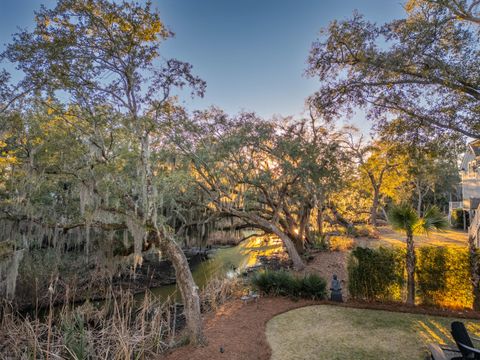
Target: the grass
(121, 327)
(333, 332)
(389, 237)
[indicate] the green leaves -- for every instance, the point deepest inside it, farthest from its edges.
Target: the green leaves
(403, 217)
(424, 67)
(433, 219)
(283, 283)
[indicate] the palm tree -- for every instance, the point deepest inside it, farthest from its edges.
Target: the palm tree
(403, 217)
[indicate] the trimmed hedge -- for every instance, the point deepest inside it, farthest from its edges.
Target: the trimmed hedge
(376, 274)
(284, 283)
(442, 275)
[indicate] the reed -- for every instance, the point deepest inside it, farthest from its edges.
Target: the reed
(120, 327)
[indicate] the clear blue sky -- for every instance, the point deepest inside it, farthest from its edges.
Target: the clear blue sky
(252, 53)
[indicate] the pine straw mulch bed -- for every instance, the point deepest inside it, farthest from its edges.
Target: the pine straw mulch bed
(239, 329)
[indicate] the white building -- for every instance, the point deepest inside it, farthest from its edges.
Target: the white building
(470, 175)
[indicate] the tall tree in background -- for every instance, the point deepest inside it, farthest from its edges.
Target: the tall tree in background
(96, 66)
(430, 160)
(379, 166)
(424, 68)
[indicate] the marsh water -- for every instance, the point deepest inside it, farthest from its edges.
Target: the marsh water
(228, 262)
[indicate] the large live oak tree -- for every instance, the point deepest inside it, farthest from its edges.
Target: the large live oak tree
(269, 174)
(96, 66)
(424, 69)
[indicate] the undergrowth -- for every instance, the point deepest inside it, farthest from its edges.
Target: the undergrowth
(283, 283)
(120, 327)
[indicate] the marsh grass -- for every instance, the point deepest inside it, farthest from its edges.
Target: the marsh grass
(119, 327)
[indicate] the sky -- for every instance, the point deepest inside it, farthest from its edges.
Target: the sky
(251, 53)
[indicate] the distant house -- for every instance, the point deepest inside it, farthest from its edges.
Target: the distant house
(470, 185)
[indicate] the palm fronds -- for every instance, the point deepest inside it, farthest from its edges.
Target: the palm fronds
(403, 217)
(433, 219)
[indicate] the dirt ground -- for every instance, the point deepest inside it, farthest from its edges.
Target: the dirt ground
(326, 264)
(238, 330)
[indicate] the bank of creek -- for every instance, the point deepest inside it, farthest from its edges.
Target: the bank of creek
(227, 261)
(157, 276)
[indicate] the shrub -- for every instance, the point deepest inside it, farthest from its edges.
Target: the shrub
(75, 337)
(320, 242)
(276, 283)
(376, 274)
(457, 218)
(314, 287)
(285, 284)
(332, 243)
(366, 231)
(341, 243)
(443, 277)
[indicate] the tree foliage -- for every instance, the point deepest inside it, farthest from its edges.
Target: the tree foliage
(423, 68)
(101, 94)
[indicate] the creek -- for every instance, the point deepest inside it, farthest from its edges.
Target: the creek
(227, 262)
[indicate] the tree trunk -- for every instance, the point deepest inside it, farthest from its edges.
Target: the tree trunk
(290, 246)
(274, 228)
(373, 209)
(320, 220)
(184, 278)
(474, 271)
(304, 220)
(411, 260)
(341, 220)
(147, 184)
(419, 201)
(299, 244)
(187, 286)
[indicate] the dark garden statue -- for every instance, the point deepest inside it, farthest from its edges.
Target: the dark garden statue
(336, 290)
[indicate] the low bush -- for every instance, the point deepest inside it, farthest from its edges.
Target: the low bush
(332, 243)
(365, 230)
(313, 286)
(284, 283)
(75, 337)
(341, 243)
(320, 242)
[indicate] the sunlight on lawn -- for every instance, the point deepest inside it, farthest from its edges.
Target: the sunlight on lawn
(333, 332)
(389, 237)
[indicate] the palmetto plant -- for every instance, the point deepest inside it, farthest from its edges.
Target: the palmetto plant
(403, 217)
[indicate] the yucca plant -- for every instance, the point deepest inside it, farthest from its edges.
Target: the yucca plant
(404, 218)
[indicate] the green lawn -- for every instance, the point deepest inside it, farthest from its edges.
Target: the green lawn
(333, 332)
(390, 237)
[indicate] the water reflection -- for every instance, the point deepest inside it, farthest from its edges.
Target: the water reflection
(229, 261)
